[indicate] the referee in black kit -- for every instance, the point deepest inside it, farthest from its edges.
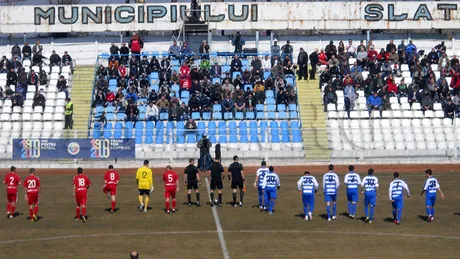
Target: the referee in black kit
(236, 174)
(217, 178)
(192, 178)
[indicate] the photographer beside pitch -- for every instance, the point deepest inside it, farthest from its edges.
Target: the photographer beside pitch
(205, 161)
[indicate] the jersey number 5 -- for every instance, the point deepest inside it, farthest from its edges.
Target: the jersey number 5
(170, 179)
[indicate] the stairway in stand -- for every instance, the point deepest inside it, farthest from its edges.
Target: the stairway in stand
(313, 121)
(81, 98)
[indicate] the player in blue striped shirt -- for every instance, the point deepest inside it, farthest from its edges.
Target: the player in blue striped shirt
(352, 181)
(396, 193)
(370, 187)
(269, 186)
(261, 172)
(331, 185)
(308, 186)
(431, 188)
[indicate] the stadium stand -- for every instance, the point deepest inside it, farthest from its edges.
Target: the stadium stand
(168, 104)
(32, 96)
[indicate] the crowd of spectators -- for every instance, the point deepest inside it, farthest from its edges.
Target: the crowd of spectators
(386, 70)
(18, 80)
(186, 83)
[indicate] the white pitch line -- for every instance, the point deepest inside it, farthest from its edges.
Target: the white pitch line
(220, 232)
(230, 231)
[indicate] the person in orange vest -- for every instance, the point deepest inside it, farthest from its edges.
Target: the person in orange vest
(136, 45)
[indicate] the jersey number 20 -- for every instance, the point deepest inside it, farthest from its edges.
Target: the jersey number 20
(31, 184)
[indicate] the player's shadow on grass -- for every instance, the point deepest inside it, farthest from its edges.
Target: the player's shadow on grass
(363, 219)
(109, 209)
(148, 208)
(424, 218)
(17, 214)
(323, 216)
(345, 214)
(456, 214)
(301, 215)
(388, 220)
(38, 218)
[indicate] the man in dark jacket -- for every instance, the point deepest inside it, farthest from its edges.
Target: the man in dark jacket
(39, 99)
(67, 59)
(124, 52)
(26, 52)
(15, 64)
(33, 79)
(16, 51)
(55, 59)
(287, 50)
(330, 50)
(4, 63)
(302, 61)
(324, 77)
(114, 51)
(313, 62)
(11, 77)
(17, 99)
(257, 67)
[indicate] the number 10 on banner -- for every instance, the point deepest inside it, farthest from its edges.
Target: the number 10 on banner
(100, 148)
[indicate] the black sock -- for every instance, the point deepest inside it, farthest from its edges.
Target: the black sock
(189, 197)
(220, 198)
(241, 196)
(234, 198)
(198, 197)
(212, 197)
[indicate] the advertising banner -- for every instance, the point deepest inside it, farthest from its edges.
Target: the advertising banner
(24, 149)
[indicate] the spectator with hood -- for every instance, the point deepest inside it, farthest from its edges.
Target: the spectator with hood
(330, 50)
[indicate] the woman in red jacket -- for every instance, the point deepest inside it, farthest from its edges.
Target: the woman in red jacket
(185, 82)
(392, 87)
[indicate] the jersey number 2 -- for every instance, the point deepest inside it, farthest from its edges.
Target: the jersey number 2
(11, 180)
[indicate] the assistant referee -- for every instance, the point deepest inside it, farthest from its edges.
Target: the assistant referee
(217, 178)
(236, 174)
(144, 185)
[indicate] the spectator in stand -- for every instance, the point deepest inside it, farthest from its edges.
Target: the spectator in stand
(99, 99)
(325, 77)
(124, 54)
(402, 90)
(259, 95)
(175, 112)
(154, 65)
(185, 79)
(278, 70)
(370, 44)
(282, 97)
(55, 59)
(441, 48)
(444, 64)
(227, 87)
(38, 48)
(131, 97)
(235, 65)
(133, 82)
(37, 60)
(449, 109)
(247, 77)
(351, 49)
(120, 97)
(174, 50)
(302, 61)
(372, 54)
(278, 83)
(22, 77)
(132, 112)
(238, 82)
(240, 104)
(26, 52)
(136, 45)
(322, 57)
(216, 70)
(349, 94)
(11, 77)
(185, 51)
(152, 112)
(330, 97)
(101, 71)
(313, 62)
(287, 50)
(4, 65)
(122, 72)
(455, 82)
(227, 104)
(15, 64)
(102, 84)
(362, 57)
(392, 87)
(190, 127)
(275, 49)
(275, 61)
(62, 86)
(401, 47)
(144, 66)
(153, 96)
(144, 85)
(256, 67)
(67, 60)
(163, 104)
(113, 66)
(411, 49)
(114, 51)
(16, 51)
(341, 47)
(204, 48)
(267, 64)
(110, 98)
(433, 57)
(33, 80)
(39, 99)
(427, 101)
(17, 99)
(331, 50)
(194, 103)
(205, 66)
(390, 47)
(374, 102)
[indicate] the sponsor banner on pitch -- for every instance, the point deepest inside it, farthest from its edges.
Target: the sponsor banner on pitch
(37, 148)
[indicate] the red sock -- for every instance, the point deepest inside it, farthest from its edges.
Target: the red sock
(13, 207)
(113, 205)
(83, 211)
(8, 207)
(31, 213)
(78, 212)
(174, 204)
(36, 210)
(167, 205)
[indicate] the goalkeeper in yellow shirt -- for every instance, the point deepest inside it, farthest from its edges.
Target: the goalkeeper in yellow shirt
(145, 185)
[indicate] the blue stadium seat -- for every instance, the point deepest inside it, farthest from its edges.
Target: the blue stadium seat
(259, 107)
(247, 86)
(206, 115)
(212, 128)
(260, 115)
(201, 128)
(295, 125)
(169, 125)
(235, 74)
(191, 138)
(223, 139)
(128, 133)
(138, 140)
(185, 94)
(250, 115)
(212, 138)
(129, 125)
(253, 132)
(118, 130)
(281, 107)
(159, 140)
(274, 131)
(154, 87)
(225, 69)
(284, 125)
(271, 116)
(253, 125)
(142, 108)
(232, 128)
(121, 116)
(149, 125)
(217, 108)
(271, 108)
(175, 62)
(242, 125)
(196, 115)
(228, 116)
(285, 138)
(113, 88)
(244, 139)
(222, 128)
(110, 116)
(217, 115)
(270, 101)
(239, 116)
(274, 125)
(282, 115)
(139, 125)
(154, 75)
(99, 110)
(215, 80)
(164, 116)
(175, 88)
(245, 62)
(180, 139)
(113, 82)
(254, 139)
(263, 125)
(159, 125)
(292, 107)
(267, 74)
(269, 94)
(293, 115)
(148, 140)
(184, 100)
(297, 138)
(96, 131)
(275, 139)
(110, 109)
(233, 139)
(243, 132)
(289, 80)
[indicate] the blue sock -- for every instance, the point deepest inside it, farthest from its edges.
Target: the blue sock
(305, 209)
(350, 211)
(260, 200)
(399, 214)
(334, 209)
(266, 204)
(432, 211)
(272, 204)
(394, 214)
(312, 207)
(428, 211)
(354, 208)
(366, 211)
(328, 209)
(372, 213)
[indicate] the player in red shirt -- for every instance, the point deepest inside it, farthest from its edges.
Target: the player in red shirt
(171, 180)
(32, 195)
(81, 184)
(111, 180)
(11, 182)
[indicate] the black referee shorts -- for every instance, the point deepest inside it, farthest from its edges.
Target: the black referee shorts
(144, 192)
(192, 184)
(237, 183)
(216, 183)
